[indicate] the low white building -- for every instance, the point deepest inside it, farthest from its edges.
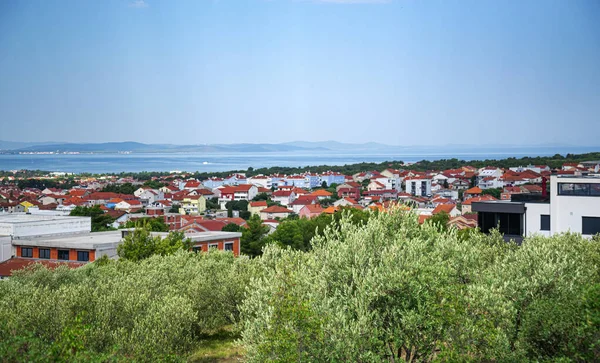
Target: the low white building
(21, 225)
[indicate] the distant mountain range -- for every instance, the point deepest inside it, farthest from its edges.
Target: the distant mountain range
(11, 147)
(136, 147)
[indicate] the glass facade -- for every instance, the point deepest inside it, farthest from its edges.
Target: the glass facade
(579, 189)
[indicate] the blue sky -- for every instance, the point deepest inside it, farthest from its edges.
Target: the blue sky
(400, 72)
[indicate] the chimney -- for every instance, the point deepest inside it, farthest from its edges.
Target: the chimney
(544, 187)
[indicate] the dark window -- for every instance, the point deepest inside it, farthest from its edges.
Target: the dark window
(590, 225)
(44, 253)
(83, 256)
(63, 254)
(545, 222)
(197, 249)
(229, 246)
(213, 246)
(26, 252)
(579, 189)
(506, 223)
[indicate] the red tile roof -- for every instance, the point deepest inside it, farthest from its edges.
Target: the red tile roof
(474, 190)
(276, 209)
(446, 208)
(482, 198)
(261, 203)
(321, 193)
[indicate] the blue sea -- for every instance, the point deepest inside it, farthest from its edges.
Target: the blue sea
(211, 162)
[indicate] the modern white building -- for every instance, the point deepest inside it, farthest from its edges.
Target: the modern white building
(573, 205)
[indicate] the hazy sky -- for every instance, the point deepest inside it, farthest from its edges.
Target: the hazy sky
(225, 71)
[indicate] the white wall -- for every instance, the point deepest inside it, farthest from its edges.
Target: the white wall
(40, 227)
(567, 211)
(5, 248)
(533, 218)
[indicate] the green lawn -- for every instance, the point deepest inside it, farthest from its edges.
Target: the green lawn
(218, 347)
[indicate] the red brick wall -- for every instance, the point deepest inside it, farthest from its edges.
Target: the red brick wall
(221, 245)
(54, 253)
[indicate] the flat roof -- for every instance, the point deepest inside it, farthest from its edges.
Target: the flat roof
(204, 236)
(84, 241)
(595, 177)
(13, 218)
(498, 206)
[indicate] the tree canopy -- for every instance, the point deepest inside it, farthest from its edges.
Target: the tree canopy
(100, 220)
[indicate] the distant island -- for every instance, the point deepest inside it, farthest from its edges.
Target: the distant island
(129, 147)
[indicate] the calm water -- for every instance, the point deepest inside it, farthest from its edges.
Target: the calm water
(206, 162)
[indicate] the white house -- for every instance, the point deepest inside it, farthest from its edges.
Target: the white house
(283, 197)
(572, 206)
(128, 205)
(262, 181)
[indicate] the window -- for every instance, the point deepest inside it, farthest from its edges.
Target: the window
(579, 189)
(44, 253)
(63, 254)
(545, 222)
(590, 225)
(213, 246)
(83, 255)
(197, 249)
(228, 246)
(26, 252)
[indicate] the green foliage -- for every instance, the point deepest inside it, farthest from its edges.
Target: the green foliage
(154, 310)
(472, 181)
(439, 220)
(46, 183)
(231, 227)
(125, 188)
(260, 196)
(139, 244)
(175, 208)
(391, 290)
(494, 192)
(100, 220)
(298, 233)
(252, 240)
(152, 224)
(154, 184)
(212, 203)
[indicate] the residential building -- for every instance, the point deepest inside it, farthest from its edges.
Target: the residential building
(418, 186)
(275, 211)
(449, 209)
(472, 192)
(283, 197)
(310, 211)
(262, 181)
(331, 177)
(573, 206)
(257, 207)
(212, 183)
(321, 194)
(193, 205)
(298, 181)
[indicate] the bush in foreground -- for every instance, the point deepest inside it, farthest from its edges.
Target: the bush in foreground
(392, 290)
(158, 307)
